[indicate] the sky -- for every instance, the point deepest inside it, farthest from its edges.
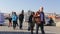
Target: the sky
(50, 6)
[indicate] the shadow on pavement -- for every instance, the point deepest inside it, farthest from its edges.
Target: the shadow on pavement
(20, 33)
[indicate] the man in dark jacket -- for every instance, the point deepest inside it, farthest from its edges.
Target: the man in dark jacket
(42, 21)
(21, 17)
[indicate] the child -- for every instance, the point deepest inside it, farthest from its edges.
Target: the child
(10, 19)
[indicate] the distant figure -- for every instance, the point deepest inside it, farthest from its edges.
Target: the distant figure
(31, 22)
(21, 17)
(40, 20)
(51, 21)
(14, 19)
(10, 20)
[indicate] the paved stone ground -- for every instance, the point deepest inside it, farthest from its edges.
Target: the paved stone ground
(9, 30)
(6, 30)
(20, 33)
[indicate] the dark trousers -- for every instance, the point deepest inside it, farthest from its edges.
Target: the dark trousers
(10, 23)
(21, 22)
(14, 24)
(31, 27)
(17, 23)
(41, 26)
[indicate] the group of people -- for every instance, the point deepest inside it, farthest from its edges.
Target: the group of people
(14, 19)
(37, 18)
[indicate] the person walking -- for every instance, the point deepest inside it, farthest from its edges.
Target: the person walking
(40, 21)
(31, 22)
(10, 20)
(21, 17)
(14, 19)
